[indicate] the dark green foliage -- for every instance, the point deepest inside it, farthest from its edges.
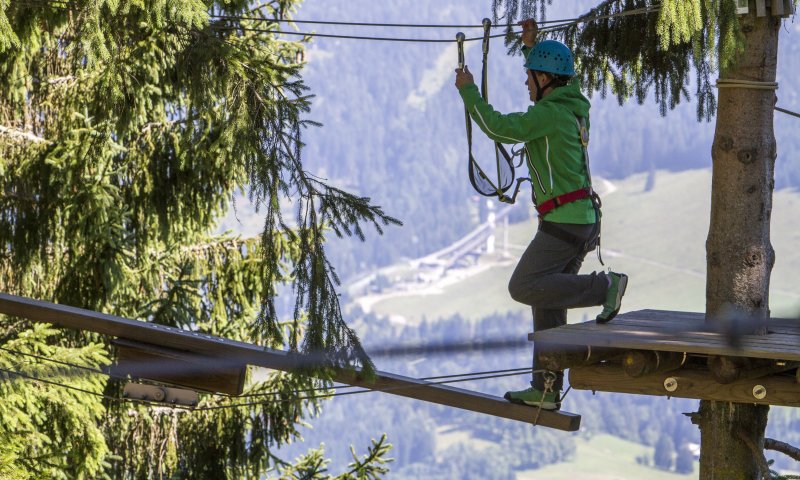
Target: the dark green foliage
(126, 127)
(369, 467)
(658, 51)
(40, 418)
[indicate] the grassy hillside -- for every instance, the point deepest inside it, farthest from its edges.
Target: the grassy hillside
(656, 237)
(600, 455)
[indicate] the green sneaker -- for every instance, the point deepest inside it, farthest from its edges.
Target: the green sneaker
(534, 398)
(613, 297)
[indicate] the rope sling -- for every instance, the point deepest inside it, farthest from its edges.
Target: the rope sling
(478, 177)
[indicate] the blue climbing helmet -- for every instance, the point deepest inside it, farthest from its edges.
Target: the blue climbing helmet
(551, 56)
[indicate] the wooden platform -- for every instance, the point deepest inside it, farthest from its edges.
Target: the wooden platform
(679, 332)
(770, 377)
(227, 352)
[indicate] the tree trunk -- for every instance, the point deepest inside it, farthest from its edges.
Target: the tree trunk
(739, 253)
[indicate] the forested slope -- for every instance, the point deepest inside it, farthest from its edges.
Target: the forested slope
(394, 127)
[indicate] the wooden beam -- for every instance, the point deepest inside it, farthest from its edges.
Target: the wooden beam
(556, 356)
(688, 383)
(177, 367)
(729, 369)
(234, 351)
(637, 363)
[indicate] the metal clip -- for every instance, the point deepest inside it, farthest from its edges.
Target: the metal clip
(487, 28)
(460, 41)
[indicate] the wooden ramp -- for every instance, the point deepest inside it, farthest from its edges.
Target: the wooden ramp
(225, 352)
(764, 366)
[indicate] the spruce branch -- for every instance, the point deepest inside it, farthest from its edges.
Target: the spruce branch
(783, 447)
(372, 465)
(637, 54)
(758, 454)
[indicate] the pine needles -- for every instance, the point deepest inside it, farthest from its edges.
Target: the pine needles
(658, 52)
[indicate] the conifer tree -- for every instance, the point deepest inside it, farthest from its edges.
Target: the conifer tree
(126, 128)
(657, 53)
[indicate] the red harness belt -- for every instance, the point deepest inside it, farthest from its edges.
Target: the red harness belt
(546, 206)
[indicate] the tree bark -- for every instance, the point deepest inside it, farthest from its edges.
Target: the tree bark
(739, 253)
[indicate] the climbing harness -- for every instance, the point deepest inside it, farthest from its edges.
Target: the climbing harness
(593, 241)
(478, 177)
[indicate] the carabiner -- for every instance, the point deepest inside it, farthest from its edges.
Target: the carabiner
(460, 41)
(487, 26)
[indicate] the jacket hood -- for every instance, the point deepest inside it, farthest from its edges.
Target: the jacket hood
(570, 96)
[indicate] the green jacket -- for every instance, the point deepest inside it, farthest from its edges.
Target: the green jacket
(552, 139)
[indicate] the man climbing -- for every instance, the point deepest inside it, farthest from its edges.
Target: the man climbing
(555, 133)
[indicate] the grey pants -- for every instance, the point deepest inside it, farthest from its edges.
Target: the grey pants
(546, 278)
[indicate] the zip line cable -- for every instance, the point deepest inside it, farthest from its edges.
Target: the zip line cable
(560, 24)
(462, 377)
(247, 404)
(554, 26)
(372, 24)
(365, 390)
(88, 392)
(477, 375)
(53, 360)
(557, 24)
(438, 377)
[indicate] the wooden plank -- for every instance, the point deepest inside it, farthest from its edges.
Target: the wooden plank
(679, 332)
(466, 400)
(690, 337)
(778, 390)
(177, 367)
(777, 8)
(695, 321)
(234, 351)
(671, 342)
